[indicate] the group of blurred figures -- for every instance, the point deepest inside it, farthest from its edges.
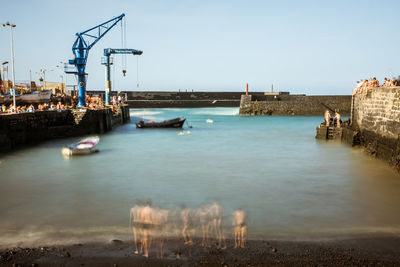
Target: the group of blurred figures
(365, 86)
(335, 121)
(152, 226)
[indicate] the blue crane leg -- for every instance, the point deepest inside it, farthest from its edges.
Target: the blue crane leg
(108, 80)
(82, 90)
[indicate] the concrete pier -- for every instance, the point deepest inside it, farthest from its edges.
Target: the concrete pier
(28, 128)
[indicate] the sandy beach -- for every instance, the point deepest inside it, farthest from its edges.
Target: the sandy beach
(355, 251)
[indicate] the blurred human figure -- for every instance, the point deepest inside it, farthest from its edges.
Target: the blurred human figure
(134, 223)
(159, 233)
(187, 219)
(239, 228)
(217, 213)
(337, 119)
(327, 118)
(204, 217)
(146, 220)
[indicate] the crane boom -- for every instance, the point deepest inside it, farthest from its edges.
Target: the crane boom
(107, 62)
(84, 42)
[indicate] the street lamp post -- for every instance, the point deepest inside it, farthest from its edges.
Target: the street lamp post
(12, 62)
(61, 67)
(43, 71)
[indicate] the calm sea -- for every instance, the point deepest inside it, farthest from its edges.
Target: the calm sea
(291, 185)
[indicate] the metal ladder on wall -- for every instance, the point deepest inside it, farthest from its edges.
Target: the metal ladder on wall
(330, 132)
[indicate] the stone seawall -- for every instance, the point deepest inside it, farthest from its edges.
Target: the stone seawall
(27, 128)
(289, 105)
(176, 99)
(376, 116)
(184, 99)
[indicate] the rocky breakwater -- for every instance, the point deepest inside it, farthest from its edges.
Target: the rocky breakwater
(29, 128)
(293, 105)
(376, 120)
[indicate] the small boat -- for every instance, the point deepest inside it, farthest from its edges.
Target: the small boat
(83, 147)
(209, 121)
(174, 123)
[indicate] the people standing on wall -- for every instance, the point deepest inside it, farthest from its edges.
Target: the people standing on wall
(327, 118)
(337, 119)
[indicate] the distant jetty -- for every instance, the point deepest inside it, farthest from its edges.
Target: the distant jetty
(258, 103)
(284, 104)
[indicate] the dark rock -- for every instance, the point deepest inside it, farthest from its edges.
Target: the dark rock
(66, 254)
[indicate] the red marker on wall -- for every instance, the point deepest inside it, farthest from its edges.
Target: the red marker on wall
(247, 89)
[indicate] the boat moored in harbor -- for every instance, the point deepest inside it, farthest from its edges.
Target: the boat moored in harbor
(83, 147)
(174, 123)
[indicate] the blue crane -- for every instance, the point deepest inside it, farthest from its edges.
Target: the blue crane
(81, 48)
(107, 62)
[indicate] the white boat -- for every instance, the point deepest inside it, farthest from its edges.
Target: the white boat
(83, 147)
(31, 98)
(209, 121)
(36, 97)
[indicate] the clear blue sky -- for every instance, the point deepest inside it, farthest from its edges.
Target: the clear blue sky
(313, 47)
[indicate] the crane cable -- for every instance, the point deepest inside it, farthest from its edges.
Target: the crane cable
(137, 71)
(123, 44)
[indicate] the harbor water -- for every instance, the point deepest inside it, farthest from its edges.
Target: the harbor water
(291, 185)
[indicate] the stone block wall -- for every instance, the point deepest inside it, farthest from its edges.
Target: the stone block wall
(376, 118)
(27, 128)
(378, 112)
(294, 105)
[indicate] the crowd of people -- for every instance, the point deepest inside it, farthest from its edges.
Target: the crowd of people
(365, 86)
(152, 226)
(92, 102)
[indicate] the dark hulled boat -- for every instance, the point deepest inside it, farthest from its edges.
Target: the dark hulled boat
(174, 123)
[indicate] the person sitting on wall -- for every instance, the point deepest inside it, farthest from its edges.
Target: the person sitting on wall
(31, 108)
(363, 87)
(355, 90)
(395, 82)
(375, 82)
(385, 82)
(327, 118)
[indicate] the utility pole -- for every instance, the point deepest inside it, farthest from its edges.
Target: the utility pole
(12, 62)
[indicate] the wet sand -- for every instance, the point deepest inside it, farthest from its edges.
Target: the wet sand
(355, 251)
